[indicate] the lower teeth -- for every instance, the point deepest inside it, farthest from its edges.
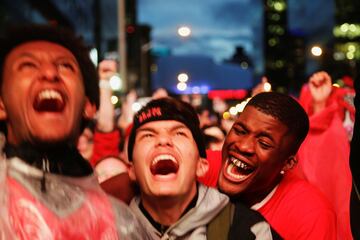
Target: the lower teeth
(237, 176)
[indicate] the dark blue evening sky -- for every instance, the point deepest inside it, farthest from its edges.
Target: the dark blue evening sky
(220, 25)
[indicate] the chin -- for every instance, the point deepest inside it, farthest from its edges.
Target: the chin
(53, 141)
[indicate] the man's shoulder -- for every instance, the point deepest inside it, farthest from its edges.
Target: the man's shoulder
(296, 191)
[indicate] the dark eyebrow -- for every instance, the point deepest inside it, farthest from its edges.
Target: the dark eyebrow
(30, 55)
(267, 135)
(261, 134)
(173, 128)
(147, 129)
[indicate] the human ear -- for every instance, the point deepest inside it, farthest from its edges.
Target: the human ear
(202, 167)
(132, 174)
(3, 114)
(290, 163)
(89, 110)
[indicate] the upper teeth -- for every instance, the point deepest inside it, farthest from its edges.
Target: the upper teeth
(50, 94)
(239, 163)
(163, 157)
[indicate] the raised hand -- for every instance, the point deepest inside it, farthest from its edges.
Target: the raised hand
(320, 88)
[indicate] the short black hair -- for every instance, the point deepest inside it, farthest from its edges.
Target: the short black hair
(285, 109)
(16, 35)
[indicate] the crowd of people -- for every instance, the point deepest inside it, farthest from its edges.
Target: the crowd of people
(73, 168)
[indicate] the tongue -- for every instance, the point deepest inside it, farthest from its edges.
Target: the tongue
(164, 167)
(49, 105)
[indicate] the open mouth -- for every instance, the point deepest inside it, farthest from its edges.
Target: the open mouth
(238, 170)
(163, 165)
(49, 100)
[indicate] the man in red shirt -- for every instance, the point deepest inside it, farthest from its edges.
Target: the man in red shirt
(257, 158)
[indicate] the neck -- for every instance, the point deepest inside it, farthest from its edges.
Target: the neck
(62, 158)
(168, 210)
(251, 198)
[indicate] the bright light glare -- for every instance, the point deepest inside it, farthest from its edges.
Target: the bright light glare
(316, 51)
(94, 56)
(136, 106)
(226, 115)
(267, 87)
(114, 100)
(183, 77)
(240, 107)
(233, 111)
(181, 86)
(184, 31)
(115, 82)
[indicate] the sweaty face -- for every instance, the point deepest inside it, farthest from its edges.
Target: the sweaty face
(253, 154)
(165, 160)
(42, 94)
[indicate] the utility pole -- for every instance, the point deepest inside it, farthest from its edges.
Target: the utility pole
(97, 27)
(122, 43)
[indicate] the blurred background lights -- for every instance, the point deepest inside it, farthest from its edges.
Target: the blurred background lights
(244, 65)
(204, 89)
(226, 115)
(184, 31)
(350, 55)
(233, 111)
(114, 99)
(344, 27)
(181, 86)
(94, 56)
(279, 6)
(240, 107)
(267, 87)
(115, 82)
(136, 106)
(316, 51)
(183, 77)
(195, 90)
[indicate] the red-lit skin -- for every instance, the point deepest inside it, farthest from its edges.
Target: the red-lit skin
(30, 68)
(260, 141)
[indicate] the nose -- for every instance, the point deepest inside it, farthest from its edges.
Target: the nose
(246, 145)
(164, 140)
(49, 72)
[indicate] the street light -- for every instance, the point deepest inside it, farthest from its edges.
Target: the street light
(316, 51)
(183, 77)
(184, 31)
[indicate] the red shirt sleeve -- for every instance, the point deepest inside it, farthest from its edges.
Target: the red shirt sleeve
(105, 145)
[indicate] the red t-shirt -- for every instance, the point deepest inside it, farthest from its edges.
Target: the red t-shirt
(298, 210)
